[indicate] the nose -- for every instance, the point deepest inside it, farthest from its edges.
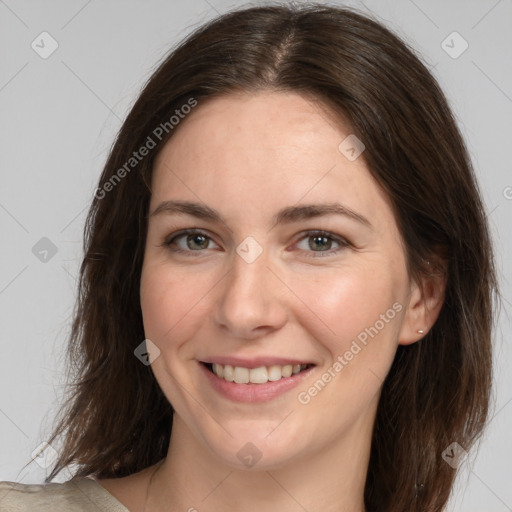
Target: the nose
(251, 300)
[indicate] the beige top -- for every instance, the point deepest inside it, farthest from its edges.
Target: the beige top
(81, 494)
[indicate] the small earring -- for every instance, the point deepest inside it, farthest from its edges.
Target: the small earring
(420, 331)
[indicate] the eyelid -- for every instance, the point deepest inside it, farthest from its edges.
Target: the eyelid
(340, 240)
(183, 232)
(328, 234)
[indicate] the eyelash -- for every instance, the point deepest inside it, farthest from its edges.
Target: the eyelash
(343, 243)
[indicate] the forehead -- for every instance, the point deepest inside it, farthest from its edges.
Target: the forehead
(265, 148)
(283, 123)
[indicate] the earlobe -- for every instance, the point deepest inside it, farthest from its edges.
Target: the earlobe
(425, 303)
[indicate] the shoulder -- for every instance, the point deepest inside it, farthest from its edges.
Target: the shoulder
(79, 494)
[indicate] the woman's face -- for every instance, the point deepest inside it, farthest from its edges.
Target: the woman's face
(261, 289)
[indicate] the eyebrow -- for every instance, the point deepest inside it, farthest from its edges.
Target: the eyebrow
(287, 215)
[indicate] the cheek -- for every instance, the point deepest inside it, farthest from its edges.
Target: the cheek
(347, 301)
(360, 311)
(171, 304)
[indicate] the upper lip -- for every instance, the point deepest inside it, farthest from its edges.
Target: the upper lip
(254, 362)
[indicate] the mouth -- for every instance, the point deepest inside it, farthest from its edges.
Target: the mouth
(253, 385)
(259, 375)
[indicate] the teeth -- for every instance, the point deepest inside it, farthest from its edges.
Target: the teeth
(218, 370)
(260, 375)
(228, 372)
(241, 375)
(257, 375)
(287, 370)
(274, 373)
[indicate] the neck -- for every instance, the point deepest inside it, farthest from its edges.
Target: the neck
(192, 479)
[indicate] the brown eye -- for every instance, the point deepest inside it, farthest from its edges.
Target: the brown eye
(189, 241)
(200, 240)
(322, 241)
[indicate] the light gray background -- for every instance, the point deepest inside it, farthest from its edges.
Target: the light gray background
(59, 116)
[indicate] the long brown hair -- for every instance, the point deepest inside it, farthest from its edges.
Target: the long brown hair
(116, 421)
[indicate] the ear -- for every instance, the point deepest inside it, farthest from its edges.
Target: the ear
(425, 302)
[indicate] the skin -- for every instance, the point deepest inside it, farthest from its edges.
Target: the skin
(247, 156)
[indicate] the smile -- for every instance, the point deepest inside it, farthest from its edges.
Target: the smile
(260, 375)
(237, 383)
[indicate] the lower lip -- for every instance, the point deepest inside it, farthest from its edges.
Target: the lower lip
(253, 393)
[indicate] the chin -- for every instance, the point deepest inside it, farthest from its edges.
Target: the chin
(254, 450)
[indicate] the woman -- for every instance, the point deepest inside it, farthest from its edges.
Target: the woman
(222, 364)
